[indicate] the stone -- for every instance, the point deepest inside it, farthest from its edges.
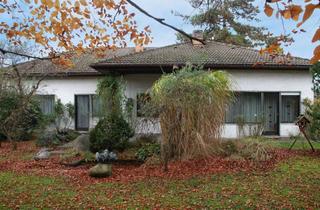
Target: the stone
(101, 170)
(43, 154)
(81, 143)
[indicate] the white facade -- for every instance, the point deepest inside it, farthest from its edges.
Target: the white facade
(284, 82)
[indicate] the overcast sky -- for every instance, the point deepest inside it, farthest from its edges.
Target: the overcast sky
(165, 36)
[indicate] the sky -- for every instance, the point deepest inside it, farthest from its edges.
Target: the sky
(162, 35)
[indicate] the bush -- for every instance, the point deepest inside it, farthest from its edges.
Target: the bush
(192, 104)
(2, 137)
(28, 121)
(48, 138)
(112, 133)
(148, 150)
(313, 113)
(228, 148)
(52, 138)
(142, 140)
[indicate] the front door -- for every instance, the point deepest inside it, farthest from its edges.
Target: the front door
(82, 112)
(271, 113)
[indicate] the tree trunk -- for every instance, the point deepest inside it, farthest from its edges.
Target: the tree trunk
(14, 145)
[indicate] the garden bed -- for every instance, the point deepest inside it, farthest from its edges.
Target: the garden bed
(21, 162)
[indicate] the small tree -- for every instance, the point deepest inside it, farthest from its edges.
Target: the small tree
(62, 116)
(112, 131)
(192, 104)
(315, 71)
(13, 83)
(313, 113)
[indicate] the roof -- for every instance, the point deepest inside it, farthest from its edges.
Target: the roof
(81, 64)
(214, 55)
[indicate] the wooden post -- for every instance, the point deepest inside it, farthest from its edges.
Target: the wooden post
(302, 122)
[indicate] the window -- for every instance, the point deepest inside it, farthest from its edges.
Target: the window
(290, 108)
(96, 105)
(246, 105)
(46, 103)
(142, 100)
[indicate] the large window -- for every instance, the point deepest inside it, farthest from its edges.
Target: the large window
(46, 103)
(290, 108)
(247, 106)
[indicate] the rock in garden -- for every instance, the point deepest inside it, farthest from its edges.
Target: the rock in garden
(44, 153)
(81, 143)
(101, 170)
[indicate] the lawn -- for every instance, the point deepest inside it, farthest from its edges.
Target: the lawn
(293, 183)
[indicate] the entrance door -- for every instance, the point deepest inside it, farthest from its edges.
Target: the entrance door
(82, 112)
(271, 113)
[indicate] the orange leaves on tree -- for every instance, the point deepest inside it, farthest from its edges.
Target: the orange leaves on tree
(273, 49)
(308, 12)
(292, 12)
(73, 26)
(316, 36)
(316, 55)
(268, 10)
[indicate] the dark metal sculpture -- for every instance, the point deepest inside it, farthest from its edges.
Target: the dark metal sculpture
(303, 122)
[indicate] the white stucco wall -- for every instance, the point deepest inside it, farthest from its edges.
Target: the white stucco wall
(272, 81)
(244, 80)
(65, 89)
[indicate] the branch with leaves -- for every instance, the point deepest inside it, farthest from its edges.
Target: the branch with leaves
(289, 10)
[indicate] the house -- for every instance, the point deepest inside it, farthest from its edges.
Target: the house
(269, 90)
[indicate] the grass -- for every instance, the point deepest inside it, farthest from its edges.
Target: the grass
(294, 183)
(301, 143)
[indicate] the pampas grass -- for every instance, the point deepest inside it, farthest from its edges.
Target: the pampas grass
(192, 104)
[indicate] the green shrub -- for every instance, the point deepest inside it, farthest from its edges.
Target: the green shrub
(143, 140)
(112, 133)
(313, 113)
(228, 148)
(148, 150)
(2, 137)
(48, 138)
(28, 121)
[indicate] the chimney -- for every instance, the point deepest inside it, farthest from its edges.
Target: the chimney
(199, 35)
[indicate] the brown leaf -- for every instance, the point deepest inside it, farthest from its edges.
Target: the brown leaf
(268, 10)
(295, 12)
(308, 12)
(316, 55)
(316, 36)
(83, 2)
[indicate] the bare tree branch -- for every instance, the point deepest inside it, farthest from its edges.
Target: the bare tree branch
(161, 21)
(3, 51)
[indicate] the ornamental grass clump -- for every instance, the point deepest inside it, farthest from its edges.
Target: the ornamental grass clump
(192, 104)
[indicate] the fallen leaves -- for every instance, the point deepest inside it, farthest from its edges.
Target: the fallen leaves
(128, 172)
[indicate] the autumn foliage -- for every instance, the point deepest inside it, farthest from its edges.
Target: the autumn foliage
(70, 26)
(296, 12)
(131, 172)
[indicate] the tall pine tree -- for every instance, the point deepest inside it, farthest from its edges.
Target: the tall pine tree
(227, 21)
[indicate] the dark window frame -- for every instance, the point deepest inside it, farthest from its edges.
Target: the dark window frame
(298, 108)
(238, 94)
